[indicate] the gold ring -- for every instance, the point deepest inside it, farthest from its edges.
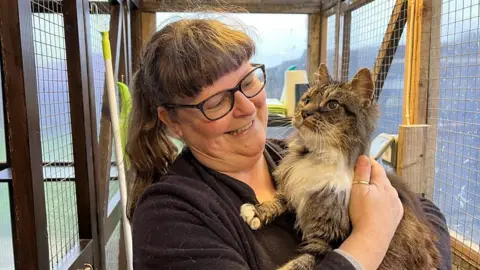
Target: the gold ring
(361, 182)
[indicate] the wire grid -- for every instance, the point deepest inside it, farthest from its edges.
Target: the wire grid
(368, 26)
(454, 112)
(331, 21)
(112, 249)
(99, 21)
(55, 129)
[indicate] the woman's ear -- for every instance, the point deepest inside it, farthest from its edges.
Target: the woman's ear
(172, 125)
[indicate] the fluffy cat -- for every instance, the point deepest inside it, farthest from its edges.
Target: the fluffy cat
(334, 123)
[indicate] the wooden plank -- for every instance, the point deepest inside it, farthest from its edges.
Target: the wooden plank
(29, 226)
(411, 155)
(75, 44)
(313, 49)
(256, 6)
(433, 89)
(389, 44)
(347, 22)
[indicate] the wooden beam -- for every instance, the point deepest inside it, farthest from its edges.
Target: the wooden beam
(29, 225)
(389, 45)
(265, 6)
(416, 62)
(313, 50)
(143, 26)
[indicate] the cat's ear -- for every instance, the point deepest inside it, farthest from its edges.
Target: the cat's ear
(322, 77)
(362, 84)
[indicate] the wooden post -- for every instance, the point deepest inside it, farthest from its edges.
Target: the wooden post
(75, 44)
(411, 158)
(143, 26)
(314, 34)
(413, 153)
(29, 226)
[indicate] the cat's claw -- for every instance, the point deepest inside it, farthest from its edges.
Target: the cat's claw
(249, 215)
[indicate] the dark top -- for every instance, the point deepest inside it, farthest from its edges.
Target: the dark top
(190, 219)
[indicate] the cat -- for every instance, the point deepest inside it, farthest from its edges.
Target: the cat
(334, 123)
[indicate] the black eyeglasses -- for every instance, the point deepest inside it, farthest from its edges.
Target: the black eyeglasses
(219, 105)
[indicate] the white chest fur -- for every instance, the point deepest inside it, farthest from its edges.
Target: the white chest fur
(301, 177)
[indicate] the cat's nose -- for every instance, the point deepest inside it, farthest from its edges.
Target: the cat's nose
(306, 113)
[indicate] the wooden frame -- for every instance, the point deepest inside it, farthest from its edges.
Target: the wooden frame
(20, 88)
(314, 47)
(143, 25)
(265, 6)
(79, 91)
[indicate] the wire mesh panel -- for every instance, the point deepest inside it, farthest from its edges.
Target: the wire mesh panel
(6, 237)
(112, 249)
(370, 25)
(454, 112)
(99, 22)
(331, 43)
(55, 128)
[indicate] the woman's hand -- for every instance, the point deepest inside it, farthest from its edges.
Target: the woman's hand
(375, 212)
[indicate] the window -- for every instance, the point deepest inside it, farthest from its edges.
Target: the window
(281, 41)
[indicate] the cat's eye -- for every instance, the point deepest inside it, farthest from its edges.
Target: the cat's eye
(307, 100)
(332, 104)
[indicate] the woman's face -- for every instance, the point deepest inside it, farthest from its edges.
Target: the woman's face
(235, 141)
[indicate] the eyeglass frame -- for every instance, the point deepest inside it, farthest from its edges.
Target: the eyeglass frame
(232, 92)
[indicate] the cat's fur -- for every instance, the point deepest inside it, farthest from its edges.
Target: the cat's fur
(314, 178)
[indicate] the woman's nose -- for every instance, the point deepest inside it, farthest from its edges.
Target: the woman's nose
(243, 105)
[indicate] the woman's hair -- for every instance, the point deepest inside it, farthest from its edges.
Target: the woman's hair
(176, 62)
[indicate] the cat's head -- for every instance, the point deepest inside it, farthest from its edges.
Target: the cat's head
(338, 115)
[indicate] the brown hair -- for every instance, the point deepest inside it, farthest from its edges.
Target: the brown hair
(176, 62)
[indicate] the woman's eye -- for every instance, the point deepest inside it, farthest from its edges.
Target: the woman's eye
(307, 100)
(332, 104)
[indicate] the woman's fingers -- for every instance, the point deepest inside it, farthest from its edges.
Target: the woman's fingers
(379, 176)
(361, 178)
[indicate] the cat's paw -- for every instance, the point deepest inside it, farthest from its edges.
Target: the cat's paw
(249, 215)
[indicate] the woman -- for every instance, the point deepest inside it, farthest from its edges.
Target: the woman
(195, 83)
